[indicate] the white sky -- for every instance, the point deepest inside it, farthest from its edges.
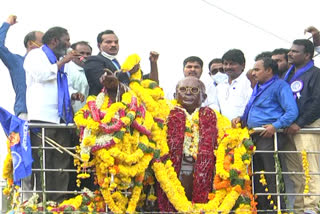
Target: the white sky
(174, 28)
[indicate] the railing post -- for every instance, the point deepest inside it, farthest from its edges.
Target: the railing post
(43, 173)
(275, 141)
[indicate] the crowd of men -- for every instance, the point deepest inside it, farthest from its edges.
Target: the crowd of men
(281, 91)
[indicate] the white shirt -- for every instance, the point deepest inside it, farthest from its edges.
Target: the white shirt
(42, 90)
(211, 91)
(234, 97)
(77, 82)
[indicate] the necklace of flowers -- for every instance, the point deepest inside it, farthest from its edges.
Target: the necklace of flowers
(191, 134)
(223, 199)
(175, 136)
(107, 147)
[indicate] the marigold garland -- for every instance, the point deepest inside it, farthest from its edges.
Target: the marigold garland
(121, 139)
(305, 164)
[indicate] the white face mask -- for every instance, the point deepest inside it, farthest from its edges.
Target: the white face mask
(219, 77)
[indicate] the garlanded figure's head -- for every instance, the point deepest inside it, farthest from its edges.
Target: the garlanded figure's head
(190, 93)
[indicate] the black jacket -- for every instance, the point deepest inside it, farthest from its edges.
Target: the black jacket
(94, 70)
(309, 101)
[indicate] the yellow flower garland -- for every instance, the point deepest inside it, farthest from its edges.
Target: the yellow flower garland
(305, 165)
(119, 164)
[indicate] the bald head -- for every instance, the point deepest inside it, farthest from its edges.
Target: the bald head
(190, 93)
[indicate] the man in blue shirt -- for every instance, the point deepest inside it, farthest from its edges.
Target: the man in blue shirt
(271, 106)
(14, 63)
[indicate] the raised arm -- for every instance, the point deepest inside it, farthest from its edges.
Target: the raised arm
(315, 35)
(154, 66)
(6, 56)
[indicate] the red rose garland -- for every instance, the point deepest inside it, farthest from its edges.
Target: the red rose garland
(175, 137)
(204, 165)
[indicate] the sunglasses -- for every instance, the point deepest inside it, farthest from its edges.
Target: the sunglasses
(214, 71)
(193, 90)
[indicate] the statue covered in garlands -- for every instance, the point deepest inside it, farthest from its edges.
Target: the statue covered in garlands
(176, 138)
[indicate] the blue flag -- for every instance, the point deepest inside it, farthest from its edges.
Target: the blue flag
(16, 130)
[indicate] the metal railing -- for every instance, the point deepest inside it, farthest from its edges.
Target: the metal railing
(43, 147)
(276, 173)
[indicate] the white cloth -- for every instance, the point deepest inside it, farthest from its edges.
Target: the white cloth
(211, 91)
(234, 97)
(42, 90)
(77, 82)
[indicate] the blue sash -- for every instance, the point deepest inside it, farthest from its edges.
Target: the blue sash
(257, 91)
(64, 104)
(299, 72)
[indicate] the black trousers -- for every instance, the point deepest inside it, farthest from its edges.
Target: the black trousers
(266, 162)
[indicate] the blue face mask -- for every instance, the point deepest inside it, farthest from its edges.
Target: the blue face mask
(219, 77)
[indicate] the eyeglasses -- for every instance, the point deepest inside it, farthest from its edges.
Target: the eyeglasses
(193, 90)
(214, 71)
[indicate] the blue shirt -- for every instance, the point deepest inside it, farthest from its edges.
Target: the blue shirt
(14, 63)
(276, 105)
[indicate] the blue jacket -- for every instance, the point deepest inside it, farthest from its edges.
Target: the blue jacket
(276, 105)
(14, 63)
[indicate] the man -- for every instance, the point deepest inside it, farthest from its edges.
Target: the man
(281, 57)
(304, 79)
(216, 71)
(14, 63)
(263, 54)
(192, 66)
(76, 75)
(48, 101)
(273, 107)
(108, 44)
(234, 93)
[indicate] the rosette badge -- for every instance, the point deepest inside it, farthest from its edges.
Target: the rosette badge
(296, 87)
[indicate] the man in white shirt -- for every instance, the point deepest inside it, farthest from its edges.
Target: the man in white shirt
(216, 71)
(76, 76)
(234, 94)
(48, 101)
